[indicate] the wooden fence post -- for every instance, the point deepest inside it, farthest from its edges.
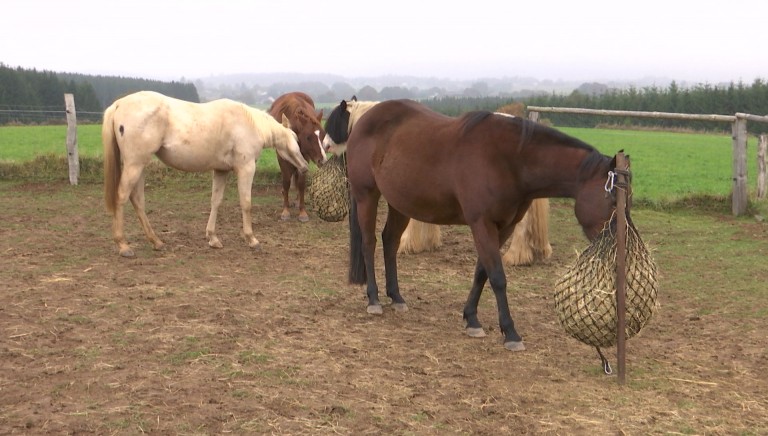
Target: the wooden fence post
(762, 145)
(72, 155)
(533, 116)
(739, 200)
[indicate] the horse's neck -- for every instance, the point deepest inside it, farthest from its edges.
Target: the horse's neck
(562, 173)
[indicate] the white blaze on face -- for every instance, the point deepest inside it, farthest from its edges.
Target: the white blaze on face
(322, 145)
(332, 147)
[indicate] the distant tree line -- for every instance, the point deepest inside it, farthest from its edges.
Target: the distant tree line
(110, 88)
(22, 89)
(28, 91)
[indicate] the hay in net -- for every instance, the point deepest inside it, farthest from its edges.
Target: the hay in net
(328, 189)
(585, 296)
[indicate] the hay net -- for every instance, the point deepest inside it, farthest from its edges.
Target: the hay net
(585, 296)
(328, 189)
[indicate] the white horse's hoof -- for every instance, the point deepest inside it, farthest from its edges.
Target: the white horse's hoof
(475, 332)
(215, 243)
(375, 309)
(127, 253)
(514, 346)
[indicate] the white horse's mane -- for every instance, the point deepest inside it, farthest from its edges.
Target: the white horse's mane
(265, 122)
(356, 110)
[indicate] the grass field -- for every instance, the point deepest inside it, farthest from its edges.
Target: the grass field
(667, 166)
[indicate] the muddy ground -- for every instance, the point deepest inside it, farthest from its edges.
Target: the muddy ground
(192, 340)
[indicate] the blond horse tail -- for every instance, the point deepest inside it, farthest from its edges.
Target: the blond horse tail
(530, 240)
(111, 159)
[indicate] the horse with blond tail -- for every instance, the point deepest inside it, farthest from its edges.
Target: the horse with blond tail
(529, 242)
(222, 136)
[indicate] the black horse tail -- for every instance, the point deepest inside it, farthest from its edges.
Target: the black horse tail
(357, 274)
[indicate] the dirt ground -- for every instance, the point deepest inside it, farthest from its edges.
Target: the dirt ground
(192, 340)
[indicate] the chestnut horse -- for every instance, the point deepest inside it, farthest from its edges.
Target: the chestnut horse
(221, 136)
(482, 170)
(529, 242)
(300, 110)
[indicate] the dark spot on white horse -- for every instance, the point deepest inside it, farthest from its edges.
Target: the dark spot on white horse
(122, 130)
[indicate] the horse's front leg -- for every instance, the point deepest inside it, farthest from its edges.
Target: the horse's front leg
(286, 174)
(390, 240)
(301, 186)
(217, 195)
(244, 183)
(487, 242)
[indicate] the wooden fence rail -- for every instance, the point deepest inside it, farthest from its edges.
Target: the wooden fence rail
(739, 197)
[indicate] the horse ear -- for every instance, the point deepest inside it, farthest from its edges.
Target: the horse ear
(343, 105)
(320, 115)
(286, 122)
(354, 98)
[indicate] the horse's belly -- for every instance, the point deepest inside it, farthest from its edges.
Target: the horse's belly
(192, 160)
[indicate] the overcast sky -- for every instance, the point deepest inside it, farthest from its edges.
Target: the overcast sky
(703, 41)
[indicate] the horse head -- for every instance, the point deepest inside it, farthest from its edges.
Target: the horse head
(310, 135)
(337, 127)
(289, 148)
(596, 199)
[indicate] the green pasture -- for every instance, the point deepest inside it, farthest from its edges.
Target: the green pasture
(667, 166)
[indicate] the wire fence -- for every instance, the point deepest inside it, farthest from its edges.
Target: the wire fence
(43, 115)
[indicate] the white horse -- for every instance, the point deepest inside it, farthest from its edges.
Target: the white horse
(221, 136)
(529, 242)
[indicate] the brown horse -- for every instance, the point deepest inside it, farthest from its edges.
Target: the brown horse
(529, 242)
(300, 110)
(222, 136)
(482, 170)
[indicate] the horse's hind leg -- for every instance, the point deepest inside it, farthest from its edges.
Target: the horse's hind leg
(137, 199)
(488, 239)
(217, 195)
(390, 240)
(131, 186)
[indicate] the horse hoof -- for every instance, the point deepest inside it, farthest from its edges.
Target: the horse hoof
(375, 309)
(159, 246)
(127, 253)
(475, 332)
(216, 244)
(514, 346)
(256, 247)
(285, 217)
(400, 307)
(303, 219)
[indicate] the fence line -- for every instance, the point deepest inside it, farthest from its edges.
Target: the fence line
(739, 197)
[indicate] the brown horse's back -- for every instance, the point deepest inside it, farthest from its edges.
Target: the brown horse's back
(409, 146)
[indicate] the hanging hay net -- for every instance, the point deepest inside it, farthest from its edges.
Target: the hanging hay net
(328, 189)
(585, 296)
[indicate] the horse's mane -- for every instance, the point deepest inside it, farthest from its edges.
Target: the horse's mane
(340, 121)
(356, 110)
(266, 124)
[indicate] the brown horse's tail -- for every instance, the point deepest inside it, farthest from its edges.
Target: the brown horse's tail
(111, 159)
(357, 274)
